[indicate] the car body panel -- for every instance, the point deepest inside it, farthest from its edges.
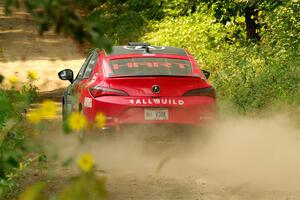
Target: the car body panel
(181, 110)
(169, 86)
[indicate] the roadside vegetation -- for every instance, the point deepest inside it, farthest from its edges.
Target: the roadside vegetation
(21, 149)
(17, 149)
(250, 47)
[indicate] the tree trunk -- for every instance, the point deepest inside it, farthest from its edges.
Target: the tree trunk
(250, 17)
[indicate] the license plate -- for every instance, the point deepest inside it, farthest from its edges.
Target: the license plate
(156, 114)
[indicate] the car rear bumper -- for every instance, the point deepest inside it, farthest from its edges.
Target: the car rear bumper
(120, 110)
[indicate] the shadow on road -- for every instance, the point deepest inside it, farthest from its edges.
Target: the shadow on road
(54, 95)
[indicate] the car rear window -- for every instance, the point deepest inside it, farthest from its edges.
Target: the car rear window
(150, 67)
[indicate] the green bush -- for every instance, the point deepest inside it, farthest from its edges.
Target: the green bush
(13, 141)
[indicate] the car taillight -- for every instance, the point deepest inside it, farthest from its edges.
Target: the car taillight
(209, 91)
(98, 91)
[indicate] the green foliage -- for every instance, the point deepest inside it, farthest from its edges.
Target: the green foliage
(225, 10)
(1, 78)
(13, 141)
(86, 186)
(120, 22)
(177, 8)
(125, 21)
(35, 192)
(199, 33)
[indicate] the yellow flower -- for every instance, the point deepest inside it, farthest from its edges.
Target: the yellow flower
(76, 121)
(32, 75)
(48, 109)
(100, 119)
(34, 117)
(13, 80)
(86, 162)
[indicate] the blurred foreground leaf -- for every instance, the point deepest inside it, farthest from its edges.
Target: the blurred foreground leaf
(35, 192)
(87, 186)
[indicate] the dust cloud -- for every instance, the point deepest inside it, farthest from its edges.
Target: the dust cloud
(262, 153)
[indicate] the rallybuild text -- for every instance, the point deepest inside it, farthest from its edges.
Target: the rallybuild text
(156, 101)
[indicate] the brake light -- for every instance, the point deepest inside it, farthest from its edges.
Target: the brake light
(209, 91)
(98, 91)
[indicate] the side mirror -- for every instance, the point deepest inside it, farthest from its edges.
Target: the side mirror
(66, 74)
(206, 73)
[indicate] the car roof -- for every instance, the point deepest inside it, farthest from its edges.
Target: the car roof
(141, 48)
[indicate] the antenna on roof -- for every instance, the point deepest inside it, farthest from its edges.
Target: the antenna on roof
(147, 49)
(143, 44)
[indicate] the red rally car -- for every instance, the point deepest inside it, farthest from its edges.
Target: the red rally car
(140, 84)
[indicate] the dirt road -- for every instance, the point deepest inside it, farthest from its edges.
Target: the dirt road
(242, 159)
(21, 49)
